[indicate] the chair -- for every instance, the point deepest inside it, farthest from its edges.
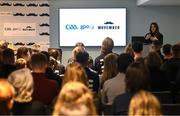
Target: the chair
(165, 97)
(171, 109)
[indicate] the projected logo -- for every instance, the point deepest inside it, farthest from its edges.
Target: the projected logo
(78, 27)
(108, 26)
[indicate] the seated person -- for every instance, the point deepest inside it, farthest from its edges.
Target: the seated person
(167, 52)
(136, 79)
(45, 90)
(6, 97)
(8, 65)
(138, 48)
(106, 48)
(144, 103)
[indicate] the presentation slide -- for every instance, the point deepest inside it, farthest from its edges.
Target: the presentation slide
(92, 25)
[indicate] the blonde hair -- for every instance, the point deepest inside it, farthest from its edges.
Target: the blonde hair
(21, 63)
(110, 67)
(22, 82)
(74, 93)
(6, 97)
(144, 103)
(75, 72)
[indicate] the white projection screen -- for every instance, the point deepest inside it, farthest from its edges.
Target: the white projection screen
(91, 26)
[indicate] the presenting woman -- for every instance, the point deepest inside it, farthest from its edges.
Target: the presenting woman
(154, 34)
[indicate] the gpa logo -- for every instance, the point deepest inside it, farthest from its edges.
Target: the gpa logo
(78, 27)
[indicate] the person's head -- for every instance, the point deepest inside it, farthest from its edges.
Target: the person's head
(21, 63)
(23, 52)
(54, 53)
(176, 51)
(137, 77)
(8, 56)
(144, 103)
(75, 72)
(76, 50)
(153, 60)
(82, 58)
(107, 45)
(90, 62)
(39, 62)
(154, 28)
(46, 54)
(79, 44)
(123, 61)
(22, 82)
(137, 47)
(74, 110)
(129, 50)
(110, 67)
(74, 93)
(167, 49)
(156, 45)
(6, 97)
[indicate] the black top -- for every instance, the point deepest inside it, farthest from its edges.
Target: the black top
(29, 108)
(6, 69)
(121, 104)
(171, 68)
(159, 36)
(93, 79)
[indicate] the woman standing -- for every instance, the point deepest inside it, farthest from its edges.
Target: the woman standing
(154, 34)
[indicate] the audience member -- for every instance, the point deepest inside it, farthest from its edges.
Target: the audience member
(8, 65)
(116, 86)
(172, 66)
(129, 50)
(75, 51)
(136, 79)
(74, 93)
(23, 52)
(144, 103)
(156, 47)
(158, 80)
(138, 48)
(54, 63)
(21, 63)
(22, 81)
(6, 97)
(106, 48)
(45, 90)
(75, 72)
(110, 67)
(93, 78)
(167, 52)
(49, 73)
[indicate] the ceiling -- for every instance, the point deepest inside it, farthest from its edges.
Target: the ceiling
(158, 2)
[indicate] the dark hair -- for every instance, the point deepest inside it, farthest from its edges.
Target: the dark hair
(167, 49)
(155, 25)
(153, 60)
(46, 54)
(8, 56)
(137, 46)
(137, 77)
(38, 60)
(124, 60)
(21, 52)
(54, 53)
(176, 50)
(79, 44)
(82, 57)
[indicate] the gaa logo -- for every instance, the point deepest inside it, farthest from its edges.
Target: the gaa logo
(71, 27)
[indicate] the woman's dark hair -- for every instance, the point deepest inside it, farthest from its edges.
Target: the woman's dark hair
(156, 26)
(137, 77)
(21, 52)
